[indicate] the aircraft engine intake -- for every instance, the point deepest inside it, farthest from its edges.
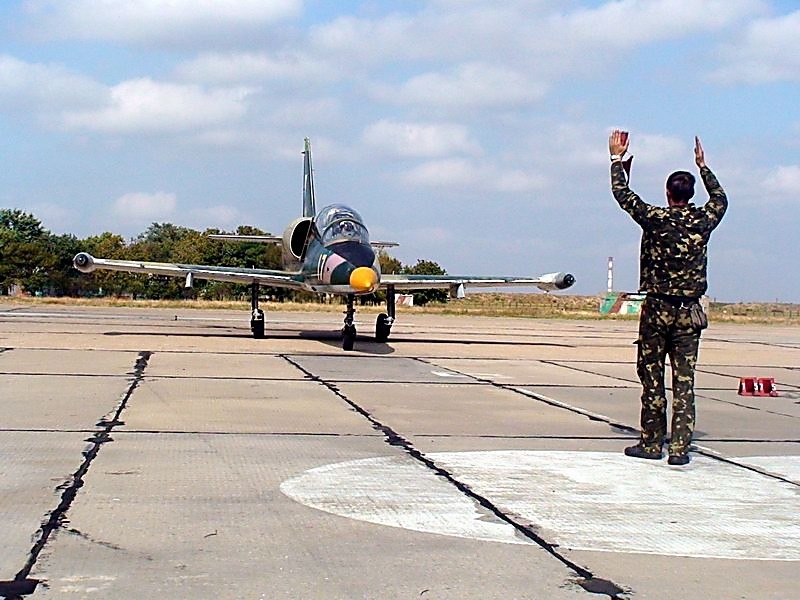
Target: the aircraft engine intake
(295, 239)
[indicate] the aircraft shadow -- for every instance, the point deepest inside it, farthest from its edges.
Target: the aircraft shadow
(364, 344)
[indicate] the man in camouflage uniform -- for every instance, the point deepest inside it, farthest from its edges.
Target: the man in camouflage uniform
(672, 274)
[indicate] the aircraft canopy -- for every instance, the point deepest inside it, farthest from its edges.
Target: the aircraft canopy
(340, 223)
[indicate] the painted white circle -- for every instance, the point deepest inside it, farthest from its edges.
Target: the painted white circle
(596, 501)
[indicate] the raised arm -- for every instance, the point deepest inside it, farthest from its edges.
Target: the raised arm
(699, 155)
(631, 203)
(717, 203)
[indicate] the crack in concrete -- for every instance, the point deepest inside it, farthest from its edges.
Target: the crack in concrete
(698, 395)
(707, 452)
(586, 579)
(23, 584)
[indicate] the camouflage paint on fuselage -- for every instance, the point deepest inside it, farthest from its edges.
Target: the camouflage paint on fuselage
(339, 245)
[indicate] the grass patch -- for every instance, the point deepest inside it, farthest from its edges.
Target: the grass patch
(539, 306)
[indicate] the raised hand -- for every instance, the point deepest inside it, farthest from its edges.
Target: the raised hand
(618, 142)
(699, 155)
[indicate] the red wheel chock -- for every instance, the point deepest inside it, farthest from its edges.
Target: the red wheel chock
(757, 386)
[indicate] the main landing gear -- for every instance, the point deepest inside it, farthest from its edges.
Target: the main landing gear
(256, 314)
(383, 326)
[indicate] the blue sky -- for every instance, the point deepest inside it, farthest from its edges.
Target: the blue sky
(473, 132)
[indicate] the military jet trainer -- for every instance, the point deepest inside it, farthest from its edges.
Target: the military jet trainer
(325, 252)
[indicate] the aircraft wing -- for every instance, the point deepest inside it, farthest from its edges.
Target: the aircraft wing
(276, 239)
(256, 239)
(86, 263)
(457, 283)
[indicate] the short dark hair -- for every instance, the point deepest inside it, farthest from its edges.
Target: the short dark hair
(680, 185)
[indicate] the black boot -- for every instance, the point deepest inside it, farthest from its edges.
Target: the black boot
(678, 459)
(642, 451)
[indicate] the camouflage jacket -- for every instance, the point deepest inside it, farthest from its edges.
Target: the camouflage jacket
(673, 253)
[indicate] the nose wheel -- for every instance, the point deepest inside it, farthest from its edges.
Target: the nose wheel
(349, 329)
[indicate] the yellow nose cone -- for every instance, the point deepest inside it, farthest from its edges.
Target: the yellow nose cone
(363, 279)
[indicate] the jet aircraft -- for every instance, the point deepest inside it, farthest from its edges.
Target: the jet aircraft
(325, 252)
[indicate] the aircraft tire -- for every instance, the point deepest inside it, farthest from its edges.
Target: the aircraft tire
(382, 328)
(257, 327)
(348, 338)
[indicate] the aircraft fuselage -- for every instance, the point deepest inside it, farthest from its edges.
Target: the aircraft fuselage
(338, 257)
(347, 267)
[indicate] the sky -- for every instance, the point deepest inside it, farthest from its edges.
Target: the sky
(472, 132)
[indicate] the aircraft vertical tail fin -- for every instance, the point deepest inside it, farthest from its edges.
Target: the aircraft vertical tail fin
(309, 200)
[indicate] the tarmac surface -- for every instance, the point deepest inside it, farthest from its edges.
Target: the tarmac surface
(164, 453)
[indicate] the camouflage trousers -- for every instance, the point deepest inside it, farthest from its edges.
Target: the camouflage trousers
(665, 329)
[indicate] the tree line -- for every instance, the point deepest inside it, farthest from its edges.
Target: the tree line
(38, 262)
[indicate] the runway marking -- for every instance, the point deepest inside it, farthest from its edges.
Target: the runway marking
(594, 501)
(449, 374)
(456, 374)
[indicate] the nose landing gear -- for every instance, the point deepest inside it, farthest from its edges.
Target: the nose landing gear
(349, 329)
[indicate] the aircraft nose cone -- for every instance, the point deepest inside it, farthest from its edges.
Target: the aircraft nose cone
(363, 279)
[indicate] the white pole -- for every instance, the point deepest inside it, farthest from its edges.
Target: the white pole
(610, 273)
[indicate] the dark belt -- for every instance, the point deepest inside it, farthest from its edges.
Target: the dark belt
(676, 301)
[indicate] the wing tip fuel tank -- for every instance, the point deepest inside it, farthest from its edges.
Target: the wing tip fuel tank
(556, 281)
(84, 262)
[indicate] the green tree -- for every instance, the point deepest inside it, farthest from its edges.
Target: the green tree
(388, 263)
(62, 278)
(111, 283)
(25, 258)
(427, 267)
(242, 255)
(20, 225)
(161, 242)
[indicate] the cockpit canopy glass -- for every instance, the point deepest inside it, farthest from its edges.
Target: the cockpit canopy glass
(339, 223)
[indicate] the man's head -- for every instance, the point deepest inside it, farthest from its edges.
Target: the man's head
(680, 187)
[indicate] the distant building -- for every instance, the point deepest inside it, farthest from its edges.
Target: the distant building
(404, 300)
(621, 303)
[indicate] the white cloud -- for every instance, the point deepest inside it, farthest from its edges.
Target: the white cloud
(419, 139)
(769, 51)
(782, 183)
(538, 39)
(473, 85)
(154, 20)
(443, 173)
(220, 216)
(629, 23)
(428, 235)
(246, 67)
(53, 216)
(658, 148)
(55, 95)
(142, 207)
(144, 105)
(370, 41)
(317, 110)
(43, 87)
(459, 174)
